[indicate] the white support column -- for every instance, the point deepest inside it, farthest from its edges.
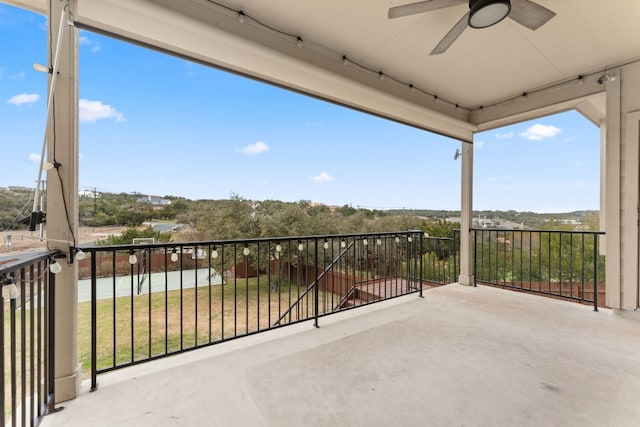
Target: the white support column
(630, 188)
(466, 216)
(622, 198)
(62, 194)
(603, 185)
(612, 194)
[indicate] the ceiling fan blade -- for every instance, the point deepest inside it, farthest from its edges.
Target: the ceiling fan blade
(422, 6)
(452, 35)
(530, 14)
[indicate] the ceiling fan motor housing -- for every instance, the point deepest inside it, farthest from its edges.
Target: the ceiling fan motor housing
(485, 13)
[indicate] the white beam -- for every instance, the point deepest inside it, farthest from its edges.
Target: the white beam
(561, 97)
(39, 6)
(198, 30)
(594, 108)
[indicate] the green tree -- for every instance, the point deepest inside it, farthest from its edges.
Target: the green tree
(14, 206)
(130, 218)
(440, 228)
(234, 218)
(127, 236)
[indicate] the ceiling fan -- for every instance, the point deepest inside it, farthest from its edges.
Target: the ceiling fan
(481, 14)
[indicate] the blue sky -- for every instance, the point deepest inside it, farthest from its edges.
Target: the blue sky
(159, 125)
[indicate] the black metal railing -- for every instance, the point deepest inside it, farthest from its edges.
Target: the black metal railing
(441, 264)
(562, 264)
(27, 339)
(144, 302)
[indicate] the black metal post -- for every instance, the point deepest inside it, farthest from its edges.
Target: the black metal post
(315, 291)
(42, 267)
(420, 263)
(12, 313)
(246, 291)
(23, 346)
(131, 302)
(595, 272)
(51, 333)
(94, 328)
(32, 344)
(475, 251)
(455, 257)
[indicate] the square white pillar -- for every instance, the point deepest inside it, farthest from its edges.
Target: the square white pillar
(466, 216)
(62, 192)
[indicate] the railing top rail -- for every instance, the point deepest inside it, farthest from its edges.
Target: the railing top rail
(438, 238)
(23, 260)
(249, 241)
(527, 230)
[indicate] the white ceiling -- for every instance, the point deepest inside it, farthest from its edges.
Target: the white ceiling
(484, 72)
(483, 66)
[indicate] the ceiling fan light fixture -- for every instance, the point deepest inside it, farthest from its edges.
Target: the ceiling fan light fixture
(485, 13)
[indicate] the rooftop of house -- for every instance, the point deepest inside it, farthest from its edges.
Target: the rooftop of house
(155, 200)
(460, 356)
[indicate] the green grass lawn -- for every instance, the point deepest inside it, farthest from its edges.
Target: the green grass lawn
(162, 323)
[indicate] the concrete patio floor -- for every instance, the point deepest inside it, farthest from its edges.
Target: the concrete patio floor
(459, 357)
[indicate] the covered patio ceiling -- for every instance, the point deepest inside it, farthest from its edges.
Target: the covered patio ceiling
(351, 53)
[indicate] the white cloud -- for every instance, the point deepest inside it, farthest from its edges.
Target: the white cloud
(191, 69)
(505, 135)
(33, 157)
(257, 148)
(568, 140)
(92, 111)
(478, 144)
(93, 46)
(19, 75)
(25, 98)
(323, 177)
(539, 132)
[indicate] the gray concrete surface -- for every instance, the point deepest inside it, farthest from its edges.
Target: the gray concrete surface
(459, 357)
(154, 282)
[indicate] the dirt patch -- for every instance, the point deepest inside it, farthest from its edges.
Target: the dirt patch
(29, 241)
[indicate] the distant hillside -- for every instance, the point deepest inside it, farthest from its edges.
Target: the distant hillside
(15, 204)
(527, 219)
(269, 216)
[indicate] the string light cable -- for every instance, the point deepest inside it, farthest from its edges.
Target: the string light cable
(9, 282)
(596, 75)
(243, 18)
